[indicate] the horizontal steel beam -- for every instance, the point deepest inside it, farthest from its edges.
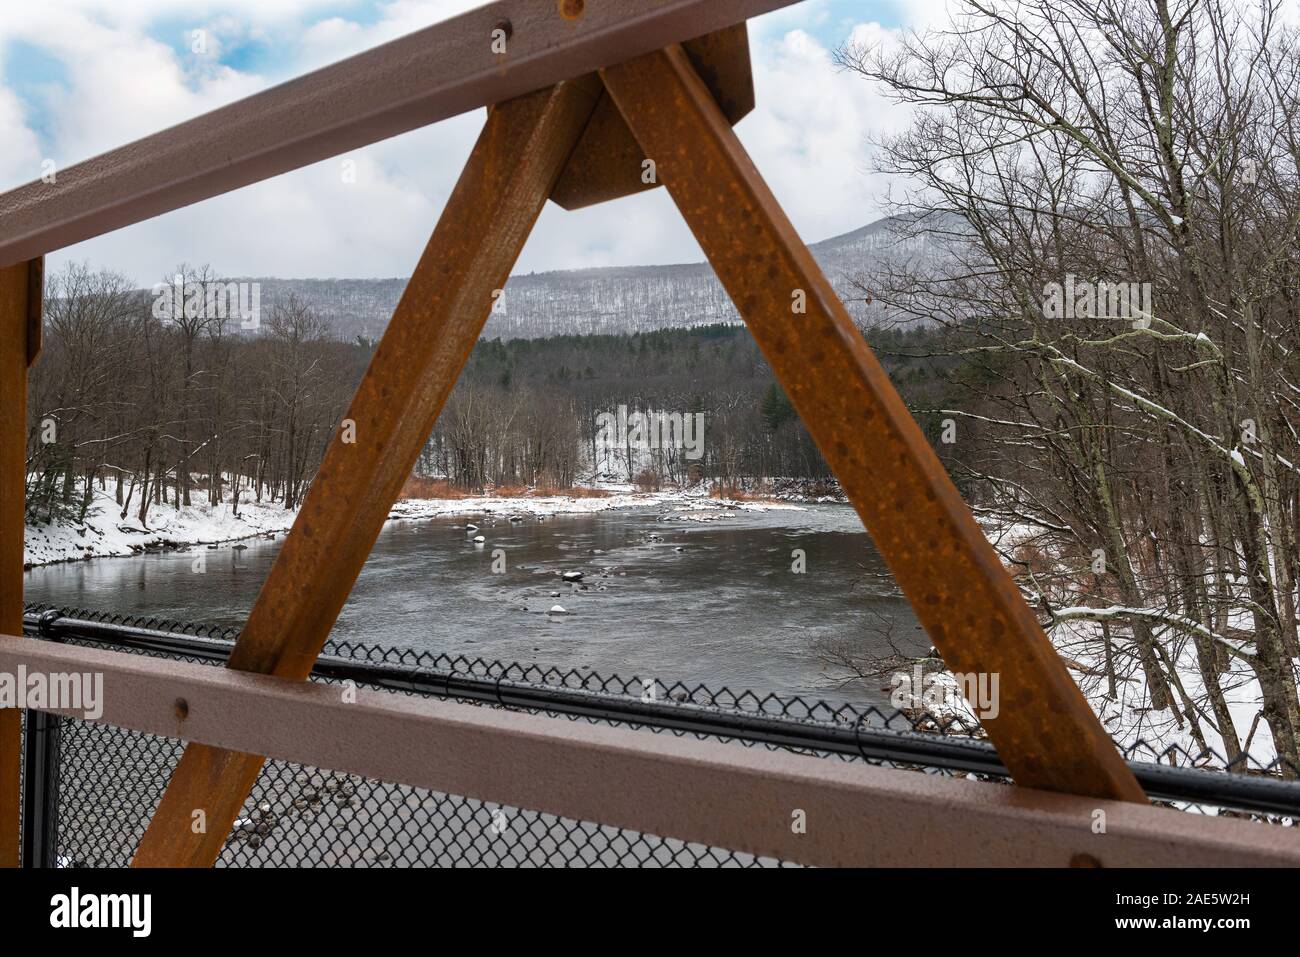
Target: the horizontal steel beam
(427, 76)
(1240, 791)
(771, 803)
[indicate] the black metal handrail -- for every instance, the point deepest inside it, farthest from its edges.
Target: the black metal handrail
(1253, 792)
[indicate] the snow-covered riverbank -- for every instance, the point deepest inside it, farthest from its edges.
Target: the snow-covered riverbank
(105, 534)
(1082, 624)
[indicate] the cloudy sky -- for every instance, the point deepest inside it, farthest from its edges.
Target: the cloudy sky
(78, 77)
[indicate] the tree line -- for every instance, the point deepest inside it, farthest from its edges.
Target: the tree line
(167, 412)
(183, 408)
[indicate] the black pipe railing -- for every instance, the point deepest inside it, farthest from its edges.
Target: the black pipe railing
(40, 832)
(1252, 792)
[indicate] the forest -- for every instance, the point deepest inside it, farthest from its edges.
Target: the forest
(178, 410)
(526, 410)
(168, 412)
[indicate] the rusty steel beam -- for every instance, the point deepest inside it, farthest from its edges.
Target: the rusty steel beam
(607, 163)
(20, 321)
(35, 308)
(430, 75)
(707, 791)
(1044, 732)
(504, 186)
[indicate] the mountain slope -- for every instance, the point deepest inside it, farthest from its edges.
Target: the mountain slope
(606, 300)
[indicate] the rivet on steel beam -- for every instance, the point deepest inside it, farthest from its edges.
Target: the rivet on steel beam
(182, 708)
(572, 9)
(1084, 860)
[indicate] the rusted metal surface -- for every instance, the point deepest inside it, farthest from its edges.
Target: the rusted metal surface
(1044, 730)
(35, 308)
(441, 71)
(504, 186)
(608, 162)
(20, 295)
(810, 810)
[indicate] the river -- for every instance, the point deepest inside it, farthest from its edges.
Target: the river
(713, 602)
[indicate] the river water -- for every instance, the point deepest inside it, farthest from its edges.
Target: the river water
(710, 602)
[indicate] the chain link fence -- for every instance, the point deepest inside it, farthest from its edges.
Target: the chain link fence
(110, 780)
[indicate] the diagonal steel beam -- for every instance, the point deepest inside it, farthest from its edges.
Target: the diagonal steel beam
(21, 287)
(1045, 732)
(505, 184)
(443, 70)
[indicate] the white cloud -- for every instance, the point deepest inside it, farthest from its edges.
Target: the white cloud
(811, 136)
(21, 157)
(332, 39)
(124, 80)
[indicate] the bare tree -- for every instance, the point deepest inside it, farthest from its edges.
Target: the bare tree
(1059, 150)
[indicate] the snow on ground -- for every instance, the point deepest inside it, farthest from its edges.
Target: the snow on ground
(542, 506)
(105, 534)
(1128, 716)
